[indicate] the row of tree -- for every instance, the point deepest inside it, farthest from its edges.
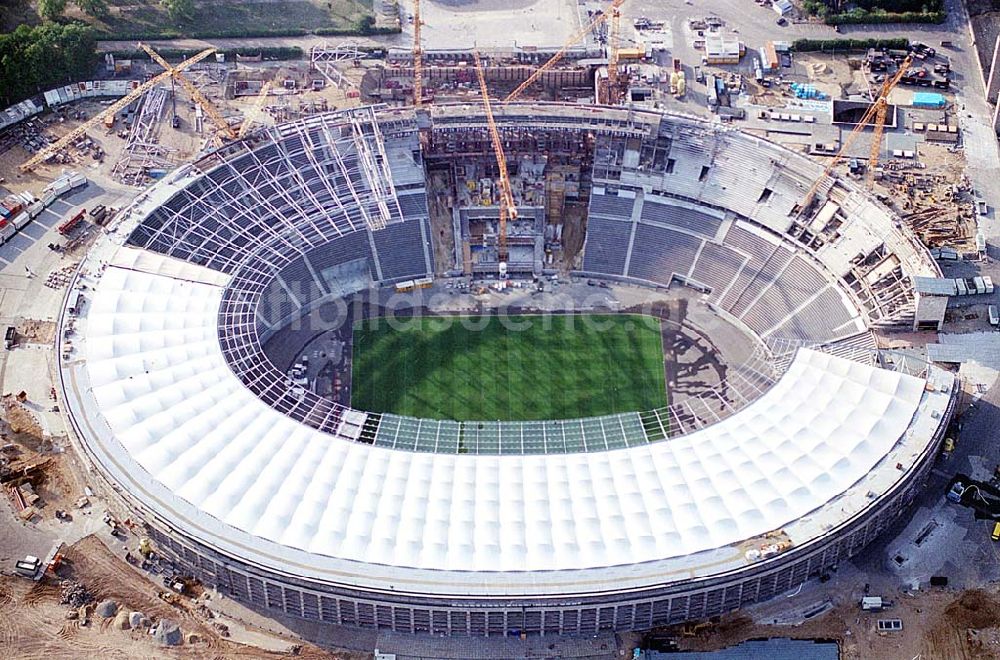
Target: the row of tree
(34, 59)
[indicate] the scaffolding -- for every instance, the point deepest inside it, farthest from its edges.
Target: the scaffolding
(142, 152)
(375, 167)
(324, 59)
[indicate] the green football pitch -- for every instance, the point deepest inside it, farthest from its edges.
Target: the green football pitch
(524, 368)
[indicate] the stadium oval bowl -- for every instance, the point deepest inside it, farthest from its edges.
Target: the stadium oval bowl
(283, 500)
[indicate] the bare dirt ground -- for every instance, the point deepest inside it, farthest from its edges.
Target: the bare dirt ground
(939, 625)
(33, 623)
(33, 331)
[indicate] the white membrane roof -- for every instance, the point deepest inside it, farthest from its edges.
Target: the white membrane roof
(160, 380)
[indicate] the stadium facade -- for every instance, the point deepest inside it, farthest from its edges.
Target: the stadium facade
(285, 500)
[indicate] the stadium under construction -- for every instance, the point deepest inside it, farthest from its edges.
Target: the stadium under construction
(184, 374)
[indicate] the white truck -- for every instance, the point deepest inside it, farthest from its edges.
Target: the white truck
(875, 603)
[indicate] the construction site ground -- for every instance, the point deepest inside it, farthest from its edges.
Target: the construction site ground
(33, 623)
(941, 624)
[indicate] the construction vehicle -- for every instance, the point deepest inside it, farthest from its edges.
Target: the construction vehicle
(598, 19)
(110, 111)
(29, 567)
(875, 116)
(199, 98)
(507, 208)
(874, 603)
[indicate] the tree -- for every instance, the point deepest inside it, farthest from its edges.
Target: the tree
(179, 10)
(366, 25)
(51, 9)
(34, 59)
(96, 8)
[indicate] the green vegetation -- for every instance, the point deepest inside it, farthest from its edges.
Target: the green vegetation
(34, 59)
(51, 9)
(267, 52)
(827, 45)
(876, 11)
(862, 16)
(526, 368)
(200, 19)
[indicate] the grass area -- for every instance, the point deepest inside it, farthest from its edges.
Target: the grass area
(229, 18)
(525, 368)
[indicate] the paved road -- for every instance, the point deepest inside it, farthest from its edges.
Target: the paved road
(59, 210)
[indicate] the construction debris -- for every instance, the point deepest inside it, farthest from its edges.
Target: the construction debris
(168, 633)
(107, 609)
(57, 279)
(121, 621)
(74, 594)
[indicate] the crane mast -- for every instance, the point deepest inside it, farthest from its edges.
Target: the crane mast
(507, 208)
(875, 116)
(121, 103)
(254, 111)
(614, 39)
(881, 110)
(195, 93)
(418, 58)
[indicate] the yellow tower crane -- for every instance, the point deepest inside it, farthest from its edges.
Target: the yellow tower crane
(875, 116)
(254, 110)
(574, 39)
(418, 58)
(507, 208)
(614, 44)
(881, 107)
(195, 93)
(110, 111)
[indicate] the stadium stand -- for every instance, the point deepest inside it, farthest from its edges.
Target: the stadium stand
(717, 267)
(680, 217)
(611, 206)
(821, 319)
(402, 251)
(606, 245)
(658, 253)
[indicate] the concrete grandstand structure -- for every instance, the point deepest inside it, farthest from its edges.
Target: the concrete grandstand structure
(288, 501)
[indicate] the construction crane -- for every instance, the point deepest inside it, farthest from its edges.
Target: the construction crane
(195, 93)
(614, 43)
(577, 37)
(110, 111)
(881, 110)
(254, 110)
(418, 58)
(507, 208)
(875, 116)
